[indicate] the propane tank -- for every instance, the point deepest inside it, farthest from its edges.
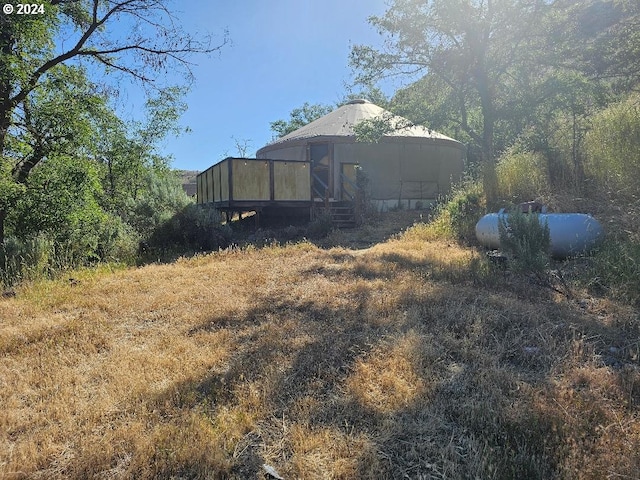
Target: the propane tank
(570, 233)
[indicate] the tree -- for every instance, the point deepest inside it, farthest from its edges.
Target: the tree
(243, 145)
(583, 64)
(89, 169)
(128, 151)
(469, 47)
(58, 118)
(598, 38)
(61, 200)
(299, 117)
(147, 44)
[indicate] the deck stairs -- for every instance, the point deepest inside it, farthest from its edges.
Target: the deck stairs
(342, 213)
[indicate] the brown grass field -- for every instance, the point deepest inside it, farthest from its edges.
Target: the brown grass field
(407, 359)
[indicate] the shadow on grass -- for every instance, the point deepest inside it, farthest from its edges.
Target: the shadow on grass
(375, 229)
(492, 361)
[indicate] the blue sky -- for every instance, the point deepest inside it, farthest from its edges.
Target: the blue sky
(283, 53)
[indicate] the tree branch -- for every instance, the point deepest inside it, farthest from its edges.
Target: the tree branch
(80, 48)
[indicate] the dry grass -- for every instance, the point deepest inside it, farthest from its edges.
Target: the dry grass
(409, 359)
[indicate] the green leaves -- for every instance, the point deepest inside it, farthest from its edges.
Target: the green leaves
(299, 117)
(526, 241)
(62, 196)
(613, 148)
(499, 73)
(50, 109)
(68, 165)
(10, 190)
(163, 112)
(467, 49)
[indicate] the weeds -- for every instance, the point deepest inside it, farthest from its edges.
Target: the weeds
(615, 268)
(320, 226)
(25, 260)
(526, 241)
(193, 228)
(611, 148)
(455, 216)
(522, 176)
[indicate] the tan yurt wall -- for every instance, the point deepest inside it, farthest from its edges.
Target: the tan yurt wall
(451, 167)
(285, 152)
(403, 170)
(378, 163)
(420, 168)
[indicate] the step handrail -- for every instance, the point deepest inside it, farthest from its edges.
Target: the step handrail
(319, 193)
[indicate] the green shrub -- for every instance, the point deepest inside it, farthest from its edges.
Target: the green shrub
(364, 206)
(612, 148)
(462, 211)
(290, 232)
(202, 227)
(23, 260)
(195, 228)
(117, 241)
(525, 241)
(454, 217)
(522, 176)
(44, 257)
(61, 203)
(162, 199)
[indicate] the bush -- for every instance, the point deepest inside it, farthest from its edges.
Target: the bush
(61, 203)
(457, 217)
(117, 241)
(364, 206)
(22, 260)
(612, 148)
(43, 256)
(195, 227)
(162, 199)
(525, 241)
(522, 176)
(320, 226)
(290, 232)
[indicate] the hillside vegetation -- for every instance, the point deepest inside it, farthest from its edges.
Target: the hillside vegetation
(408, 359)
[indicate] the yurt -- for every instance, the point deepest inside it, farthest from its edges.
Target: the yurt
(409, 166)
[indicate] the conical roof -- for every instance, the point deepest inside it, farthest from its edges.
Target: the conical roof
(341, 121)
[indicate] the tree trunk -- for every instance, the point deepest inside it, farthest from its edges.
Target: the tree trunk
(484, 87)
(489, 176)
(7, 43)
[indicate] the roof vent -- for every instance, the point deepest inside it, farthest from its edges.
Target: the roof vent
(358, 101)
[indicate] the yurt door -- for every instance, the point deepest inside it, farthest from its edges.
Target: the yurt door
(320, 169)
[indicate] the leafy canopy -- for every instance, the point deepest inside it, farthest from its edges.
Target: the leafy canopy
(299, 117)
